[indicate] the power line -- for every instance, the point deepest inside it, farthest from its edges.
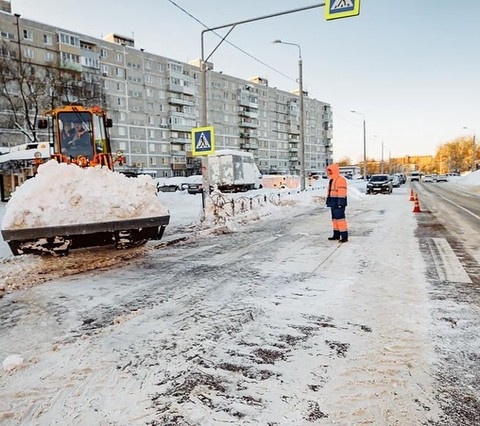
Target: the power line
(231, 44)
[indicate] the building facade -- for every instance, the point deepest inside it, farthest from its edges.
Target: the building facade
(154, 102)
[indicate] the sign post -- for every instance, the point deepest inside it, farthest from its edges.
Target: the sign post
(203, 144)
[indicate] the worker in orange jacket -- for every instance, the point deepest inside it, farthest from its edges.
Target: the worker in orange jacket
(337, 201)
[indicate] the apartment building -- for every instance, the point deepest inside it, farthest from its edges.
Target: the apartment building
(154, 102)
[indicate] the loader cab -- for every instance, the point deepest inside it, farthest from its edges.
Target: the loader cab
(75, 131)
(79, 135)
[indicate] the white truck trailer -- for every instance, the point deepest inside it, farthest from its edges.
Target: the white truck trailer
(233, 171)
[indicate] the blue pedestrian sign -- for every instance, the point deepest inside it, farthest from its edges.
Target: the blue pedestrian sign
(203, 141)
(335, 9)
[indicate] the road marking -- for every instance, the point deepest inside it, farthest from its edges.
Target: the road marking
(447, 264)
(460, 207)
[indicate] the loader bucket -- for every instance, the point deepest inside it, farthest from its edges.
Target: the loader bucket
(59, 240)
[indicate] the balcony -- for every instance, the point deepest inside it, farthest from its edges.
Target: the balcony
(248, 113)
(179, 166)
(179, 127)
(180, 140)
(178, 88)
(249, 145)
(181, 100)
(249, 135)
(249, 123)
(177, 153)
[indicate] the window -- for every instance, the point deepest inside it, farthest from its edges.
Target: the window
(118, 57)
(48, 57)
(70, 57)
(27, 34)
(29, 53)
(103, 53)
(104, 69)
(119, 72)
(68, 39)
(4, 34)
(47, 39)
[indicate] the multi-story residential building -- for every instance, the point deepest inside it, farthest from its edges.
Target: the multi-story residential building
(154, 102)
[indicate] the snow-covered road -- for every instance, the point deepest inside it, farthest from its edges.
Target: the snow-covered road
(258, 322)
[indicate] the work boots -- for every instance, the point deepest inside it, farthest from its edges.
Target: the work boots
(335, 236)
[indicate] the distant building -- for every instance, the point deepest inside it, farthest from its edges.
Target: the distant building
(154, 102)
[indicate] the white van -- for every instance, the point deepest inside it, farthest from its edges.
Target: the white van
(415, 176)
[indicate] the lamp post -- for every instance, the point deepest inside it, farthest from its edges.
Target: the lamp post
(302, 112)
(473, 149)
(364, 145)
(17, 16)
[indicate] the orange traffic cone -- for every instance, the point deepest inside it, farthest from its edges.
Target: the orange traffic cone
(412, 195)
(416, 207)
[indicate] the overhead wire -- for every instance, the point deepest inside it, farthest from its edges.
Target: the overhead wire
(230, 43)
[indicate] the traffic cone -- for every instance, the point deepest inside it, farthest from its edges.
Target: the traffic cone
(412, 195)
(416, 207)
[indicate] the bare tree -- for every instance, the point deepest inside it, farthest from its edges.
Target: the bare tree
(28, 89)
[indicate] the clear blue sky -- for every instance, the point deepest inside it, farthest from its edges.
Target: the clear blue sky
(412, 67)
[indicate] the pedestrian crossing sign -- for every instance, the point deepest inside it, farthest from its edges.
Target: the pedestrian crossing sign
(203, 141)
(335, 9)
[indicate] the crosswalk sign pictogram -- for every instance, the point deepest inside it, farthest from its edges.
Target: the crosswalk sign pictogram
(203, 141)
(335, 9)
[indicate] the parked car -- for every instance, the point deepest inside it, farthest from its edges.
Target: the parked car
(395, 181)
(441, 178)
(403, 178)
(428, 178)
(194, 184)
(379, 183)
(169, 184)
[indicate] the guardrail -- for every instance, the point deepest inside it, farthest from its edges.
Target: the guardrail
(224, 206)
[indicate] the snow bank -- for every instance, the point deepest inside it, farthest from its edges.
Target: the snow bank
(65, 194)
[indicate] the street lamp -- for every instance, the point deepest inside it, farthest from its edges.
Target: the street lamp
(473, 149)
(302, 112)
(364, 145)
(17, 16)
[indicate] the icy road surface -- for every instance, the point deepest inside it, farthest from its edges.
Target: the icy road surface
(263, 323)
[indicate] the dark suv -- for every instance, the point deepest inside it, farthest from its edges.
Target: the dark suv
(379, 183)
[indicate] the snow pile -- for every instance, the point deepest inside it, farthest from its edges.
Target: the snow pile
(470, 179)
(12, 362)
(65, 194)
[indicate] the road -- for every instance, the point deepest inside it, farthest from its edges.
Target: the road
(450, 241)
(262, 322)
